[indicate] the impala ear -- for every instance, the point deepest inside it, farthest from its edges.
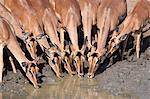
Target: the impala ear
(120, 27)
(96, 37)
(85, 40)
(83, 58)
(93, 41)
(83, 49)
(67, 49)
(24, 36)
(71, 47)
(114, 34)
(122, 38)
(93, 49)
(90, 59)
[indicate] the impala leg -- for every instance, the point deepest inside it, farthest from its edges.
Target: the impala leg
(59, 65)
(134, 47)
(12, 64)
(90, 65)
(1, 62)
(62, 37)
(96, 66)
(124, 47)
(138, 45)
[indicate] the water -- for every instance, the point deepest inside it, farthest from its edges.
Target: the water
(67, 88)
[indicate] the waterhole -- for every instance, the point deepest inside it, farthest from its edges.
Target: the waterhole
(66, 88)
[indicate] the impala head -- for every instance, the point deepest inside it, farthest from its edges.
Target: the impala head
(78, 63)
(114, 44)
(54, 60)
(94, 59)
(67, 60)
(93, 65)
(112, 47)
(31, 72)
(30, 44)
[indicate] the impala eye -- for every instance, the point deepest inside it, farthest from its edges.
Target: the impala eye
(29, 45)
(114, 46)
(74, 62)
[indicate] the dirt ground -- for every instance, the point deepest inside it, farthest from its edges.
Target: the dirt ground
(129, 77)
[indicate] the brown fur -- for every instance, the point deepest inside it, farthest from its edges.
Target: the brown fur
(5, 13)
(27, 18)
(134, 23)
(47, 18)
(68, 13)
(89, 16)
(108, 15)
(31, 21)
(69, 16)
(7, 38)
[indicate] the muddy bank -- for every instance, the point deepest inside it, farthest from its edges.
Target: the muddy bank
(130, 77)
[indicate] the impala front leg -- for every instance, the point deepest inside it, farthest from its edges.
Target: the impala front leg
(138, 45)
(1, 62)
(62, 31)
(12, 64)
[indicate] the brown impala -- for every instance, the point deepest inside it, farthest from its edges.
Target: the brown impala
(15, 24)
(89, 14)
(31, 24)
(7, 38)
(27, 18)
(110, 13)
(68, 13)
(48, 19)
(137, 19)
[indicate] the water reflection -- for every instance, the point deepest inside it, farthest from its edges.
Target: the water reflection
(67, 88)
